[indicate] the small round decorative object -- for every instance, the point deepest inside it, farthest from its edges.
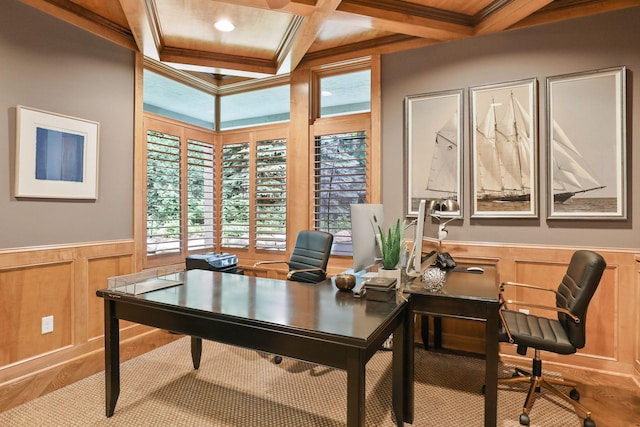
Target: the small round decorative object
(345, 282)
(434, 279)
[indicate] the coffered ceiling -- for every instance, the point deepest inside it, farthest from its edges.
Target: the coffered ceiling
(275, 36)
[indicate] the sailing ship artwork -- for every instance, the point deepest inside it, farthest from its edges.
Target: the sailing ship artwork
(504, 149)
(433, 148)
(586, 153)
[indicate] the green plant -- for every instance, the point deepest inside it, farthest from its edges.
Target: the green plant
(391, 245)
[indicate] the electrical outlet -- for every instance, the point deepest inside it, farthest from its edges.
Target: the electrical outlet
(47, 324)
(524, 310)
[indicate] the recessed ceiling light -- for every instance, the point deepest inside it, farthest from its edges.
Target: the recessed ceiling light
(224, 25)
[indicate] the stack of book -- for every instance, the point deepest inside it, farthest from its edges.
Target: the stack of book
(380, 288)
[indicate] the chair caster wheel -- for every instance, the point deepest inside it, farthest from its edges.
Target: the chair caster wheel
(277, 360)
(588, 422)
(524, 419)
(574, 394)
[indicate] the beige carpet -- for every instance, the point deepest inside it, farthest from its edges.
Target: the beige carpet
(238, 387)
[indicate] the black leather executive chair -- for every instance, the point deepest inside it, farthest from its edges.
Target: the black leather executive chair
(563, 335)
(308, 262)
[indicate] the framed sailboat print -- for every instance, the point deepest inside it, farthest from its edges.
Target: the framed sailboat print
(504, 148)
(433, 151)
(586, 126)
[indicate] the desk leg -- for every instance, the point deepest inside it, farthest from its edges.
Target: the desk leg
(111, 357)
(491, 369)
(356, 389)
(424, 331)
(196, 351)
(409, 369)
(437, 331)
(399, 376)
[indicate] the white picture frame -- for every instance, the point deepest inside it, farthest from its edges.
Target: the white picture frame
(56, 155)
(433, 150)
(504, 148)
(586, 164)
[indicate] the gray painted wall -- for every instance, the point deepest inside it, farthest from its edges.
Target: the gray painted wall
(53, 66)
(590, 43)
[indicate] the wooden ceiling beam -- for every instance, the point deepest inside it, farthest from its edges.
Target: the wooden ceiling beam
(143, 22)
(74, 14)
(404, 18)
(306, 34)
(511, 13)
(216, 62)
(569, 9)
(295, 7)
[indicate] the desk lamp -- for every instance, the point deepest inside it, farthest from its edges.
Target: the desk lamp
(436, 208)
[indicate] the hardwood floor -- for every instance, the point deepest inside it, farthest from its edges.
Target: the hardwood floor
(613, 401)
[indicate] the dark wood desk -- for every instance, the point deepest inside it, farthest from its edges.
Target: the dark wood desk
(465, 295)
(315, 323)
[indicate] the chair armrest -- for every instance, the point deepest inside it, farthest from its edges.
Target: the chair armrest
(270, 262)
(292, 272)
(545, 307)
(525, 285)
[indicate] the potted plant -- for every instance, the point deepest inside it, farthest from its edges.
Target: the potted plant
(391, 247)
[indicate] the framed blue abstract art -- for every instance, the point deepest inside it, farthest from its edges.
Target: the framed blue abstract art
(56, 155)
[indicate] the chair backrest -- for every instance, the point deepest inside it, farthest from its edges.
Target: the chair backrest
(312, 250)
(574, 293)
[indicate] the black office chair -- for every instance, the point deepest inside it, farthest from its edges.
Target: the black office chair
(563, 335)
(308, 262)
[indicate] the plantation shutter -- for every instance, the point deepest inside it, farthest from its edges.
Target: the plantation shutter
(235, 195)
(200, 195)
(163, 193)
(340, 175)
(271, 195)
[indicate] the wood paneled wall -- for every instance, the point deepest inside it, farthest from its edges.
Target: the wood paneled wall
(613, 321)
(613, 324)
(59, 282)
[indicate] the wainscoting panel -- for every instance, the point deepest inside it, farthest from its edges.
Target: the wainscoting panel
(28, 294)
(100, 269)
(636, 324)
(601, 315)
(613, 325)
(59, 282)
(62, 281)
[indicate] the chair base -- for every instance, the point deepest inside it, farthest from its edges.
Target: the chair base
(537, 381)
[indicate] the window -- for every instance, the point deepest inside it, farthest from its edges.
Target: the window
(271, 195)
(180, 191)
(170, 98)
(256, 107)
(201, 195)
(254, 191)
(345, 93)
(163, 193)
(235, 195)
(340, 177)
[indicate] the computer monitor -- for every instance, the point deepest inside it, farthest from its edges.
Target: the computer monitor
(365, 237)
(414, 263)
